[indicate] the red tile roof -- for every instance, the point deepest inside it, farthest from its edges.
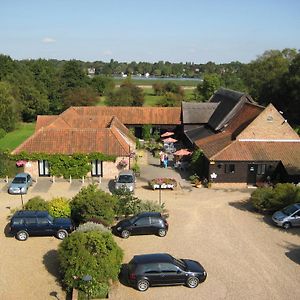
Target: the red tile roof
(135, 115)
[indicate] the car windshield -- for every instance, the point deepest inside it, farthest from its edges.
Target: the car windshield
(19, 180)
(290, 209)
(133, 219)
(179, 263)
(125, 179)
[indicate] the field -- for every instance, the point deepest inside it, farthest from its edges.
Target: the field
(149, 82)
(15, 138)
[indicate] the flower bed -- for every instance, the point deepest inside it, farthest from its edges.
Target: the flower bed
(163, 183)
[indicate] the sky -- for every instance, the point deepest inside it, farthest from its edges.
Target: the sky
(137, 30)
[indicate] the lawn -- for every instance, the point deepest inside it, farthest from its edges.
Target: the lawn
(149, 82)
(13, 139)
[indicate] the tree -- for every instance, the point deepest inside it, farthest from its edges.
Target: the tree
(205, 89)
(170, 100)
(103, 85)
(91, 203)
(93, 253)
(7, 66)
(82, 96)
(8, 108)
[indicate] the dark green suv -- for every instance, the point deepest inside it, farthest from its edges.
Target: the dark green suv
(25, 223)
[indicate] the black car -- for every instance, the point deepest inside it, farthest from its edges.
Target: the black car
(39, 223)
(163, 269)
(143, 223)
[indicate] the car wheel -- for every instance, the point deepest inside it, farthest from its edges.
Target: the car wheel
(192, 282)
(61, 234)
(162, 232)
(22, 235)
(125, 234)
(143, 285)
(286, 225)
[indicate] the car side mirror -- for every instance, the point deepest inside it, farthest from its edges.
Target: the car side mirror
(179, 271)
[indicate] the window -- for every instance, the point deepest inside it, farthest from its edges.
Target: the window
(44, 168)
(151, 269)
(261, 169)
(155, 220)
(96, 167)
(168, 268)
(42, 221)
(17, 221)
(229, 168)
(142, 221)
(30, 221)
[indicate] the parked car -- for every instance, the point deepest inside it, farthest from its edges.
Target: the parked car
(20, 184)
(25, 223)
(288, 217)
(143, 223)
(125, 179)
(163, 269)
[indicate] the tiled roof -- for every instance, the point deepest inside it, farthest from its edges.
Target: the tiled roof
(135, 115)
(70, 141)
(197, 112)
(286, 152)
(43, 121)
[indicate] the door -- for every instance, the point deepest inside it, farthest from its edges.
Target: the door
(295, 219)
(44, 168)
(171, 274)
(252, 172)
(96, 167)
(141, 226)
(31, 226)
(44, 226)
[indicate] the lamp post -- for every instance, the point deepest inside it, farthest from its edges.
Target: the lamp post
(159, 194)
(20, 188)
(87, 278)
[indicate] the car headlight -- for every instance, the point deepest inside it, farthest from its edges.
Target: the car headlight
(119, 228)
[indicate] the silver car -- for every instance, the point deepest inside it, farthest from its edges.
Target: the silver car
(288, 217)
(125, 179)
(20, 184)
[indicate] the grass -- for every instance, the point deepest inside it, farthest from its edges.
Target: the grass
(13, 139)
(149, 82)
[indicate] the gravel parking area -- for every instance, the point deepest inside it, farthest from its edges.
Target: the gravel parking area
(246, 257)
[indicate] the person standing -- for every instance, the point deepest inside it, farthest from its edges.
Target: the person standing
(166, 160)
(162, 158)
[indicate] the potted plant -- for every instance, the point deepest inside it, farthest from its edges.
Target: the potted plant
(163, 183)
(122, 164)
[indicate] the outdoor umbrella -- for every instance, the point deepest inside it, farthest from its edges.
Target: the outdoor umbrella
(169, 140)
(182, 152)
(167, 134)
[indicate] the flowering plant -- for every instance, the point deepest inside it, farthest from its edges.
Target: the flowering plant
(162, 181)
(122, 163)
(21, 163)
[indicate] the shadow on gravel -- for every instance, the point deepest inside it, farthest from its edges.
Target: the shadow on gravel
(244, 205)
(293, 253)
(51, 263)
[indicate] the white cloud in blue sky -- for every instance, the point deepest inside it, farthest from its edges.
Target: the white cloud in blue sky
(142, 30)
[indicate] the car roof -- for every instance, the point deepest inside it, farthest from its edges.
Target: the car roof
(21, 175)
(127, 172)
(149, 214)
(152, 258)
(31, 213)
(297, 205)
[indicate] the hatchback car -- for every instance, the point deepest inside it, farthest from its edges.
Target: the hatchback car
(288, 217)
(143, 223)
(125, 179)
(20, 184)
(163, 269)
(38, 223)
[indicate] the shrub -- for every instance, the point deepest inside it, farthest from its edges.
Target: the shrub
(7, 166)
(59, 207)
(91, 253)
(91, 226)
(2, 133)
(92, 202)
(36, 203)
(136, 168)
(127, 203)
(152, 206)
(272, 199)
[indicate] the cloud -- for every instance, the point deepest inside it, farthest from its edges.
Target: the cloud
(48, 40)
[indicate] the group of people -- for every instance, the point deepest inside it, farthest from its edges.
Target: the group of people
(164, 159)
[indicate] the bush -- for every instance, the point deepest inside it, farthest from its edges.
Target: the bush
(152, 206)
(7, 167)
(59, 207)
(36, 203)
(92, 202)
(91, 226)
(2, 133)
(91, 253)
(272, 199)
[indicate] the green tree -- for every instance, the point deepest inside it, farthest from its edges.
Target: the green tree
(8, 107)
(92, 203)
(209, 85)
(82, 96)
(59, 207)
(94, 253)
(103, 85)
(7, 66)
(170, 100)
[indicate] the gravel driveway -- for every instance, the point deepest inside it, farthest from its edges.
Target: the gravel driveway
(245, 256)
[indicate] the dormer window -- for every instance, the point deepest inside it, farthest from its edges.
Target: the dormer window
(270, 119)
